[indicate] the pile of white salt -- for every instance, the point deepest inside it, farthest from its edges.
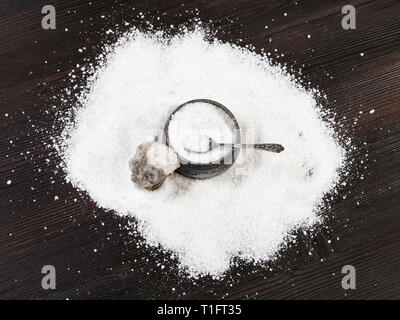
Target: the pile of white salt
(245, 212)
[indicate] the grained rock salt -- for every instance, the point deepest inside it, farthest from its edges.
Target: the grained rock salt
(246, 212)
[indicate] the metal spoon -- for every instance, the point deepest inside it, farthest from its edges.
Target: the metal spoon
(271, 147)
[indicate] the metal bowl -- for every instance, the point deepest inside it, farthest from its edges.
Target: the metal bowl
(207, 170)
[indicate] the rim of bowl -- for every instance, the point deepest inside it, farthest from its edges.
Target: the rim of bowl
(236, 126)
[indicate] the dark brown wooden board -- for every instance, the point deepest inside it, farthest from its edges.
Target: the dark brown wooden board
(362, 227)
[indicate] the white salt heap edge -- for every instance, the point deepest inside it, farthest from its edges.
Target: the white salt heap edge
(249, 210)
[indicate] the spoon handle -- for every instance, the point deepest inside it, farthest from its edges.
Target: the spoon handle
(271, 147)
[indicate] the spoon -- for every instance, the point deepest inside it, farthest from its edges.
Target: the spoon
(271, 147)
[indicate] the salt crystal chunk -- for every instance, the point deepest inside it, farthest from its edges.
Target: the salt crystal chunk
(152, 164)
(160, 156)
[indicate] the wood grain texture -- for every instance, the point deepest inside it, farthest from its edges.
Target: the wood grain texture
(362, 227)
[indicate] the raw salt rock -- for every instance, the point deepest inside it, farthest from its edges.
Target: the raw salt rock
(152, 164)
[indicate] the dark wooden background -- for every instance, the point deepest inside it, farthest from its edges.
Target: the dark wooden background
(362, 228)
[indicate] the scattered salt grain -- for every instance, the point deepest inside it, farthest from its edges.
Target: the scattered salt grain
(246, 212)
